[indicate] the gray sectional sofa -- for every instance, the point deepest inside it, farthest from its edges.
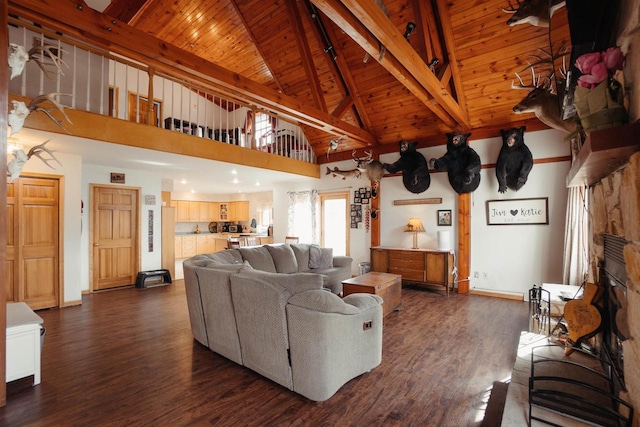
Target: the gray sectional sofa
(287, 327)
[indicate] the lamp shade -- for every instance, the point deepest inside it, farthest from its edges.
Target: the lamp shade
(414, 225)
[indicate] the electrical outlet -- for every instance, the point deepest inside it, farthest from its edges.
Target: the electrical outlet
(367, 325)
(476, 275)
(485, 275)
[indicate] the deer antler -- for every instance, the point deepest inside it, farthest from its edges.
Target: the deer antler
(37, 151)
(511, 8)
(34, 106)
(37, 54)
(535, 82)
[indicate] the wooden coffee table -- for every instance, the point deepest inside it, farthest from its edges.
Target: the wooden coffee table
(388, 286)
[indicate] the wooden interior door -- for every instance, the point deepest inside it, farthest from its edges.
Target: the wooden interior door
(33, 246)
(115, 243)
(39, 239)
(139, 109)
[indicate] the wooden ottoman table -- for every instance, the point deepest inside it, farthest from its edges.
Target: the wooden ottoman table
(388, 286)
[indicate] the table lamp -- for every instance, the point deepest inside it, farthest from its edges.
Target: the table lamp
(414, 226)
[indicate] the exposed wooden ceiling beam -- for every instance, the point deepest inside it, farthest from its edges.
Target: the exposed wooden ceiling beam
(305, 54)
(343, 107)
(370, 16)
(447, 34)
(347, 77)
(335, 11)
(76, 18)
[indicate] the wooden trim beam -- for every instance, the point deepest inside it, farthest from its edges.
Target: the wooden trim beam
(464, 242)
(335, 11)
(4, 110)
(110, 34)
(375, 21)
(305, 54)
(343, 107)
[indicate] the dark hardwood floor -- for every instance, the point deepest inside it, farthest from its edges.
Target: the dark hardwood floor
(127, 357)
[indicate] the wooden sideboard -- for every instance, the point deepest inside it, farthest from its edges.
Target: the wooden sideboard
(416, 266)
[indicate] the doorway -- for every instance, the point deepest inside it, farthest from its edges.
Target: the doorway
(139, 109)
(335, 220)
(33, 270)
(114, 240)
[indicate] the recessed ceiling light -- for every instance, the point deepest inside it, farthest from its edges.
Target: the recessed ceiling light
(257, 184)
(235, 180)
(184, 181)
(234, 172)
(193, 191)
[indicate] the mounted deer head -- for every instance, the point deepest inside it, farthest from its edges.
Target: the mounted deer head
(373, 168)
(535, 12)
(18, 58)
(14, 167)
(21, 111)
(543, 103)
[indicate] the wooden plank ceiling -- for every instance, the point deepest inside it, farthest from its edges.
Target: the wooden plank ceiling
(313, 52)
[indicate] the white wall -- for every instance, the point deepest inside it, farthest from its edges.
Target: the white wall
(513, 257)
(149, 184)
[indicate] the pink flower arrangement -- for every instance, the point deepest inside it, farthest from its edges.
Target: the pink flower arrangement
(596, 67)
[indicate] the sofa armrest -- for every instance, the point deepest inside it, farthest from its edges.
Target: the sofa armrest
(363, 301)
(342, 261)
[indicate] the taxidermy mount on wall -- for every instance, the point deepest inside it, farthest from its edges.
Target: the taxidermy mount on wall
(514, 161)
(461, 162)
(415, 171)
(20, 158)
(536, 12)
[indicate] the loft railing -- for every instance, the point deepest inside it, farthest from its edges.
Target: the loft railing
(112, 85)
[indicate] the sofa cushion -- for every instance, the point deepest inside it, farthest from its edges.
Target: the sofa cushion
(301, 250)
(259, 258)
(320, 258)
(283, 258)
(322, 301)
(231, 267)
(231, 256)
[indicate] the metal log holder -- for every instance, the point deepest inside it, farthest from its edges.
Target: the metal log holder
(564, 386)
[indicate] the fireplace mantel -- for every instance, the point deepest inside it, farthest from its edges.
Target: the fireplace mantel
(603, 152)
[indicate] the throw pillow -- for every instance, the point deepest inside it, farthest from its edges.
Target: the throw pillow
(259, 258)
(283, 258)
(320, 257)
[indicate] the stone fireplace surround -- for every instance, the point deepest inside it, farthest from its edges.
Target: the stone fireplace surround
(614, 205)
(615, 210)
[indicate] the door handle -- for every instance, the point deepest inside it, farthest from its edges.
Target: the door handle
(96, 244)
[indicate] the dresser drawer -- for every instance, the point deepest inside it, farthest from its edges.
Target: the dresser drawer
(407, 259)
(408, 274)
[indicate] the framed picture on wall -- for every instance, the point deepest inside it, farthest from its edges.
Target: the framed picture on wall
(444, 217)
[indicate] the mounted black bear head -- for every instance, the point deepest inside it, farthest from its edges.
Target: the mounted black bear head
(457, 140)
(415, 172)
(514, 161)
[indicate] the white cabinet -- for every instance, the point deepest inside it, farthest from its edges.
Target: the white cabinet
(23, 342)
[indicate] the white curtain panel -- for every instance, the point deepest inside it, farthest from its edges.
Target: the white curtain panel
(576, 246)
(303, 216)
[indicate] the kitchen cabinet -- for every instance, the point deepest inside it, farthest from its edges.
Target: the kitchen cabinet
(416, 266)
(178, 247)
(266, 240)
(205, 243)
(188, 246)
(183, 211)
(220, 245)
(193, 211)
(239, 211)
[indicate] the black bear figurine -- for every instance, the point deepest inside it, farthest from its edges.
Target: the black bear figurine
(415, 172)
(514, 161)
(461, 162)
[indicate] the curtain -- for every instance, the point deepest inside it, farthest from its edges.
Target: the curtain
(303, 216)
(576, 246)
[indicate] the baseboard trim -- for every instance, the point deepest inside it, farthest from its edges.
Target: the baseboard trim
(71, 303)
(497, 294)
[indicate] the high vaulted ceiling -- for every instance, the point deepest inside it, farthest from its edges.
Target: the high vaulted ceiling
(313, 52)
